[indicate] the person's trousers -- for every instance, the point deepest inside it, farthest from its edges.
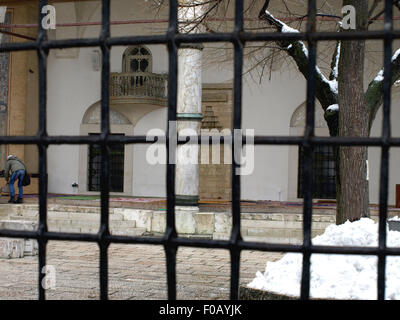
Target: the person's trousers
(19, 174)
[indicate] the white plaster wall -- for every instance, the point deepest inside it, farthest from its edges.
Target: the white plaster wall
(267, 108)
(72, 88)
(375, 157)
(148, 179)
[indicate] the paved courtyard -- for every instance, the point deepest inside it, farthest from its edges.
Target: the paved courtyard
(135, 272)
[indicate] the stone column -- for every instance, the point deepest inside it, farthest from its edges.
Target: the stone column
(189, 113)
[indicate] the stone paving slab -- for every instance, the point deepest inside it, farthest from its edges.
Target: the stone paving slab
(136, 272)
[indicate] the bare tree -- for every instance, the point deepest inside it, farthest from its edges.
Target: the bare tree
(352, 190)
(349, 110)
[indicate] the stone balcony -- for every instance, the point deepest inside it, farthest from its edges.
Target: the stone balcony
(147, 87)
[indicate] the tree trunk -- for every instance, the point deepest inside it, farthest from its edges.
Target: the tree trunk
(352, 183)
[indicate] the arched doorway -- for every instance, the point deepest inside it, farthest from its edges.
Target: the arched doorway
(121, 156)
(324, 185)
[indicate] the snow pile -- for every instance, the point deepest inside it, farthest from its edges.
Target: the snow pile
(336, 276)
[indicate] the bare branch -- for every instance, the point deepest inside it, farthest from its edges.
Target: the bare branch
(373, 7)
(196, 4)
(376, 17)
(374, 94)
(325, 91)
(335, 62)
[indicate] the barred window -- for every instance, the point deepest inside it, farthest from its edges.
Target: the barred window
(137, 59)
(324, 173)
(117, 155)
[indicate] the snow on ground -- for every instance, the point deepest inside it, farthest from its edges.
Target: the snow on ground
(336, 276)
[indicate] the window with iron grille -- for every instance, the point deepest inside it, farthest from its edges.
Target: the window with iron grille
(324, 173)
(137, 59)
(117, 155)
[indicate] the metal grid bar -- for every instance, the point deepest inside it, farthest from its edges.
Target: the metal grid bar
(236, 125)
(171, 241)
(42, 241)
(386, 131)
(198, 38)
(258, 140)
(308, 151)
(170, 246)
(105, 151)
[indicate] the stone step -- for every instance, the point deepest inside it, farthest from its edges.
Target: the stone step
(273, 227)
(121, 231)
(11, 248)
(87, 229)
(33, 209)
(277, 235)
(22, 218)
(66, 208)
(6, 210)
(84, 216)
(17, 248)
(51, 207)
(73, 216)
(91, 224)
(23, 225)
(67, 225)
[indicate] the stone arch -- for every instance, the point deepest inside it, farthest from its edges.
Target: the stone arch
(298, 119)
(93, 116)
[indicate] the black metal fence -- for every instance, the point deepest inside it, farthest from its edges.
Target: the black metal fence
(170, 240)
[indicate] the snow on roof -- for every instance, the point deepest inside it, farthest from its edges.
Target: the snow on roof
(336, 276)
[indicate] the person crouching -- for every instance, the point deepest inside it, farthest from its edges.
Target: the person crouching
(18, 171)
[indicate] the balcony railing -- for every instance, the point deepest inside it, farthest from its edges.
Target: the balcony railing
(138, 84)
